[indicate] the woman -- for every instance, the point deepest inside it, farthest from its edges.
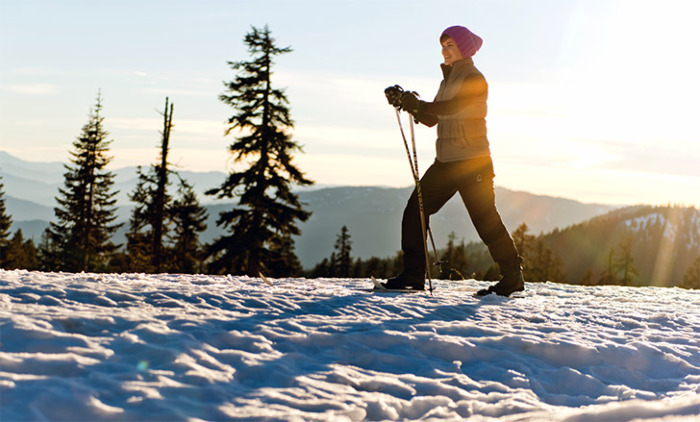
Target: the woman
(463, 164)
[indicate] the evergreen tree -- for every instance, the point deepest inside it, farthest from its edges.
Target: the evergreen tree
(587, 279)
(286, 263)
(20, 253)
(87, 210)
(453, 261)
(139, 245)
(376, 267)
(691, 278)
(5, 224)
(343, 248)
(524, 244)
(544, 264)
(357, 269)
(332, 265)
(321, 269)
(394, 265)
(149, 222)
(189, 219)
(609, 276)
(161, 199)
(625, 263)
(48, 252)
(267, 210)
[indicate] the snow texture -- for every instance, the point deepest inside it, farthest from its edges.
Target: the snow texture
(109, 347)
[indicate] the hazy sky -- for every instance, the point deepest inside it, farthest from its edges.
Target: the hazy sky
(594, 100)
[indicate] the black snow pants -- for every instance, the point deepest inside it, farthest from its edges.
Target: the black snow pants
(473, 179)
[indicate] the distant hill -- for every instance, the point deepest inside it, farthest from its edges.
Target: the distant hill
(664, 242)
(45, 172)
(39, 182)
(22, 210)
(372, 214)
(373, 217)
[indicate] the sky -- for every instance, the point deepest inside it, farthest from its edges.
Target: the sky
(593, 100)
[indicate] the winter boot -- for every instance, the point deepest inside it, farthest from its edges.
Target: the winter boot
(511, 281)
(405, 281)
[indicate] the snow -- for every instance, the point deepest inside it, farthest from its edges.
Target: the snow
(646, 219)
(108, 347)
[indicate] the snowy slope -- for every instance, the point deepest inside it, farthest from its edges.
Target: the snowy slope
(176, 347)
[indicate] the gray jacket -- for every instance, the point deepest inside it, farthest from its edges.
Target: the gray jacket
(462, 135)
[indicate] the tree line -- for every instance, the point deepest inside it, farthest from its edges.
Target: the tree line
(551, 256)
(164, 227)
(622, 263)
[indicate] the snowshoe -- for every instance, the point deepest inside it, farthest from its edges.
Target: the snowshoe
(403, 282)
(510, 283)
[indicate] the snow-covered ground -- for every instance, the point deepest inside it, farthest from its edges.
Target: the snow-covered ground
(178, 347)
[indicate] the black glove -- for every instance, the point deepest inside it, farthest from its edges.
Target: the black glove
(393, 95)
(411, 103)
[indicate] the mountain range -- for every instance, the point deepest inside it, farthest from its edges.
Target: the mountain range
(372, 214)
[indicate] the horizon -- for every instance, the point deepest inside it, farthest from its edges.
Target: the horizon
(316, 186)
(577, 107)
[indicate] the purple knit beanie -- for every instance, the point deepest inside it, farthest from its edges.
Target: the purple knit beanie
(467, 42)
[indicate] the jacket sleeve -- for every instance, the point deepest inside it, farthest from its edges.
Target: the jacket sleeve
(473, 85)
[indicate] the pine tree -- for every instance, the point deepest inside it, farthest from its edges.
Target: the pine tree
(48, 252)
(453, 261)
(587, 279)
(161, 199)
(322, 269)
(524, 244)
(691, 278)
(5, 224)
(625, 263)
(609, 276)
(332, 265)
(375, 267)
(87, 210)
(357, 271)
(149, 222)
(189, 219)
(286, 263)
(343, 249)
(544, 264)
(139, 250)
(20, 253)
(267, 210)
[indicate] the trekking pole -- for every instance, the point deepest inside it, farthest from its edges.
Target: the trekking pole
(416, 179)
(430, 232)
